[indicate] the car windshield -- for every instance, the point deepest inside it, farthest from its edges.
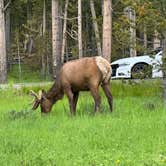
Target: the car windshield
(157, 50)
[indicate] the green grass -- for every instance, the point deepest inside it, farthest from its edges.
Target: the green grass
(133, 135)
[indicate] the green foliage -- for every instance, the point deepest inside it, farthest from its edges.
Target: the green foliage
(27, 19)
(149, 18)
(33, 44)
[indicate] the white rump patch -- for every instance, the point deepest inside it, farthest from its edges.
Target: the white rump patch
(104, 67)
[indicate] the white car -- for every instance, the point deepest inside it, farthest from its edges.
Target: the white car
(138, 67)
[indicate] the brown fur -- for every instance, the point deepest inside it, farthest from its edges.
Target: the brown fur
(75, 76)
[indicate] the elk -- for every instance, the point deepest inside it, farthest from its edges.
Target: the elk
(85, 74)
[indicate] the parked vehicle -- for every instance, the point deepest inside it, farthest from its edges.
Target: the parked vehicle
(148, 66)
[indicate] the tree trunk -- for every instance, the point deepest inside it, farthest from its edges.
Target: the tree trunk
(95, 25)
(130, 14)
(64, 32)
(7, 29)
(145, 40)
(164, 68)
(66, 48)
(29, 10)
(3, 59)
(44, 58)
(44, 17)
(156, 40)
(30, 45)
(133, 52)
(107, 29)
(30, 41)
(18, 55)
(56, 45)
(80, 29)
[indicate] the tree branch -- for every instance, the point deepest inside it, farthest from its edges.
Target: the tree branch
(73, 18)
(71, 35)
(7, 5)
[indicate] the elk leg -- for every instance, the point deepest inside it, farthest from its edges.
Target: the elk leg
(70, 97)
(96, 97)
(75, 99)
(108, 94)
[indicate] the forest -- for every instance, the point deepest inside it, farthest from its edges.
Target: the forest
(29, 29)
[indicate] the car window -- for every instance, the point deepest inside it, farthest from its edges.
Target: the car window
(160, 54)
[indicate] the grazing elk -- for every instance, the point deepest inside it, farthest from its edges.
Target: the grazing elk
(78, 75)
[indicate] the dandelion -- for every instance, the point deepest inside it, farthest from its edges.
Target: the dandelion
(117, 162)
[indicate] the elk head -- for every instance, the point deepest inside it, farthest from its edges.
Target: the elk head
(42, 100)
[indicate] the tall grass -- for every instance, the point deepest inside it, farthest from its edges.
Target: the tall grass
(133, 135)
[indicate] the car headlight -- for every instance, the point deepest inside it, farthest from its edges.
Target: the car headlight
(124, 64)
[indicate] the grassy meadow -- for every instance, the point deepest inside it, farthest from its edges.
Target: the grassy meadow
(133, 135)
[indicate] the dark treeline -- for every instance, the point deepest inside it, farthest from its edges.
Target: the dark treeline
(29, 29)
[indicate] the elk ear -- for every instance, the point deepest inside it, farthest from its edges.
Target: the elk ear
(43, 96)
(43, 92)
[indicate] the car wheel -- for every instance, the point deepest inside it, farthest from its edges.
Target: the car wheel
(141, 71)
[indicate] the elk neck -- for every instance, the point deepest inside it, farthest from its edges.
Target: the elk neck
(55, 92)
